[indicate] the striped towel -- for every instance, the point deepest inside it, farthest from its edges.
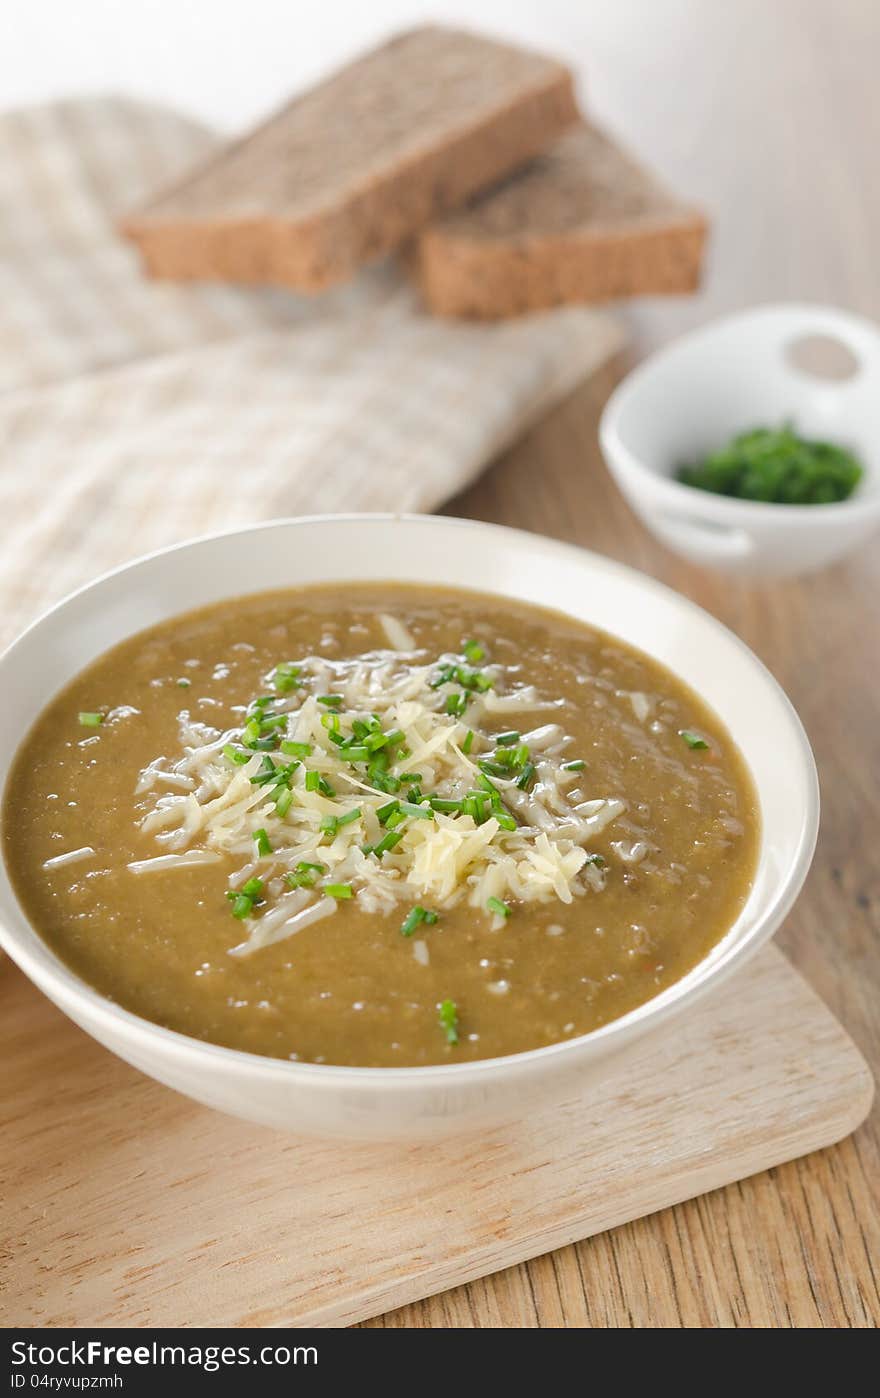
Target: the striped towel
(133, 414)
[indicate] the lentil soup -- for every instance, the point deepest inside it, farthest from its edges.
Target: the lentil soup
(379, 825)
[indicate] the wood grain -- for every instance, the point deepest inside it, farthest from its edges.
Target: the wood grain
(766, 115)
(135, 1207)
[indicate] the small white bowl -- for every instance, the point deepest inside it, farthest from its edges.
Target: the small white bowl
(410, 1103)
(739, 373)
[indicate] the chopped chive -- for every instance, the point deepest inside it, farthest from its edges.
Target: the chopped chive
(495, 905)
(577, 766)
(89, 720)
(693, 740)
(349, 817)
(241, 905)
(305, 875)
(443, 676)
(448, 1018)
(251, 732)
(283, 801)
(330, 701)
(471, 807)
(374, 741)
(430, 917)
(183, 683)
(468, 742)
(338, 890)
(315, 782)
(396, 818)
(438, 803)
(236, 755)
(776, 465)
(268, 772)
(395, 735)
(384, 812)
(356, 752)
(329, 824)
(253, 889)
(414, 795)
(528, 776)
(273, 721)
(505, 757)
(494, 768)
(473, 679)
(494, 793)
(387, 842)
(506, 740)
(505, 820)
(419, 812)
(296, 749)
(384, 781)
(261, 839)
(286, 677)
(596, 859)
(456, 704)
(473, 651)
(414, 917)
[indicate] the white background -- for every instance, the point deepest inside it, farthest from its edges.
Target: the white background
(230, 61)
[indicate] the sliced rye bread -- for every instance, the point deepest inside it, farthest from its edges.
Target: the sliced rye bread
(584, 222)
(346, 172)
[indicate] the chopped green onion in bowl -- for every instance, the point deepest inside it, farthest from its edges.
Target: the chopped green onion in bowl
(776, 466)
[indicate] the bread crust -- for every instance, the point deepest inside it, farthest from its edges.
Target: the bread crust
(243, 217)
(585, 223)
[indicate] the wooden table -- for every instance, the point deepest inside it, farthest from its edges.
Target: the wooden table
(775, 129)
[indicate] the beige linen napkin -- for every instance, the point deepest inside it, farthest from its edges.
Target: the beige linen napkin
(133, 414)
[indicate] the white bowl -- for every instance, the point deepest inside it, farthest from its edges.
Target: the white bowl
(738, 373)
(416, 1102)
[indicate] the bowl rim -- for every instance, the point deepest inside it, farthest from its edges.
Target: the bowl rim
(649, 1014)
(620, 458)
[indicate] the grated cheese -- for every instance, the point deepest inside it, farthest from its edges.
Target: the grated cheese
(397, 635)
(74, 856)
(214, 804)
(174, 861)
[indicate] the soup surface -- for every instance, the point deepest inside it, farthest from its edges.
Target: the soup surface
(379, 825)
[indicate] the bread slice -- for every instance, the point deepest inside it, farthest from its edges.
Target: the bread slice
(350, 169)
(584, 222)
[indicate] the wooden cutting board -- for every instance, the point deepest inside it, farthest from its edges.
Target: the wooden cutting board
(126, 1204)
